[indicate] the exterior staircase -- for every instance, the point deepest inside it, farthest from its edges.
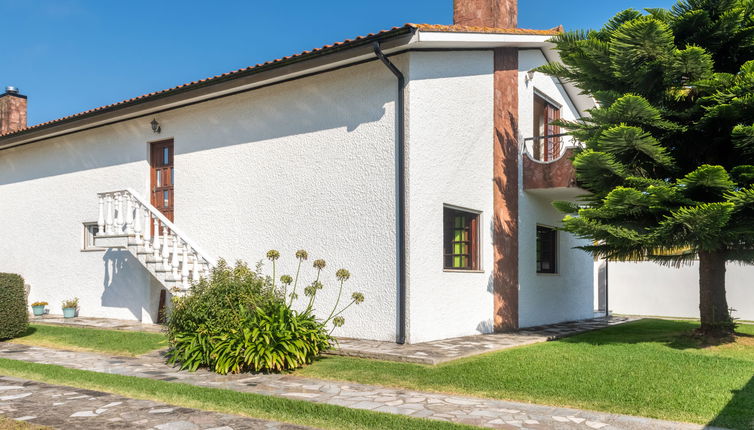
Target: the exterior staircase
(128, 221)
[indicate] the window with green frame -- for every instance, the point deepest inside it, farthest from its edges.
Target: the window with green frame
(461, 240)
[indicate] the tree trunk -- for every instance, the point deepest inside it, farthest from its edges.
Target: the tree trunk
(713, 306)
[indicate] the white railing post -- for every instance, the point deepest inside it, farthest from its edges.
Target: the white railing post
(165, 246)
(129, 213)
(101, 216)
(156, 238)
(109, 229)
(185, 267)
(137, 222)
(119, 221)
(195, 269)
(174, 260)
(147, 228)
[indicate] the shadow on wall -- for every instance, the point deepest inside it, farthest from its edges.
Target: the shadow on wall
(739, 412)
(290, 110)
(123, 282)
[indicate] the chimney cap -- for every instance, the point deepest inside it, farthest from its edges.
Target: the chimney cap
(11, 89)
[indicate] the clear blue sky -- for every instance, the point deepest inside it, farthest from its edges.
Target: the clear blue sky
(72, 55)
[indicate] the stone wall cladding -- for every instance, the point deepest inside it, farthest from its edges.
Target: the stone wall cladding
(486, 13)
(12, 113)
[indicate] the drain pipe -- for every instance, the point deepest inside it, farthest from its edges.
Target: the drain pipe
(400, 185)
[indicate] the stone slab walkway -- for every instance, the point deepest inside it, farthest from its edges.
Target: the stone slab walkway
(73, 408)
(441, 351)
(461, 409)
(102, 323)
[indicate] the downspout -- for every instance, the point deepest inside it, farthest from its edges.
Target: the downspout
(400, 185)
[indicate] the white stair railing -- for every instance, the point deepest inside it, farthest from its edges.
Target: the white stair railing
(166, 248)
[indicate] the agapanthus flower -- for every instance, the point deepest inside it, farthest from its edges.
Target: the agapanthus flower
(342, 274)
(302, 254)
(338, 321)
(319, 264)
(357, 297)
(286, 279)
(273, 255)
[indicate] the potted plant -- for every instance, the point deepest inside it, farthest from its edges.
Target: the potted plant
(70, 307)
(39, 308)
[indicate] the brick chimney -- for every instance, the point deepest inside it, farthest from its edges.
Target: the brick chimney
(12, 110)
(486, 13)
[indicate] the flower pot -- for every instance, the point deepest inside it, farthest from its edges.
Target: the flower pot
(39, 310)
(69, 312)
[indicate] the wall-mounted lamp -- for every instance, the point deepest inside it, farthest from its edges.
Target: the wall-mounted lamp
(530, 75)
(156, 126)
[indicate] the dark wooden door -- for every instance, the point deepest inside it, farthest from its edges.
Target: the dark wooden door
(552, 145)
(162, 187)
(163, 178)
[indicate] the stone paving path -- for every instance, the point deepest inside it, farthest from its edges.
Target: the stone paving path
(102, 323)
(74, 408)
(440, 351)
(434, 352)
(460, 409)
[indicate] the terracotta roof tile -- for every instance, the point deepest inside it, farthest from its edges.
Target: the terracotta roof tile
(486, 30)
(333, 46)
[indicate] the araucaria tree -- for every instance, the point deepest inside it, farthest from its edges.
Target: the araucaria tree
(669, 151)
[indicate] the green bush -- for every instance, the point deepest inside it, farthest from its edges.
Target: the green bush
(239, 320)
(14, 316)
(215, 302)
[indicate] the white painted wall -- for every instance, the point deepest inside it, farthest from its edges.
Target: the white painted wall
(568, 295)
(647, 288)
(450, 162)
(46, 191)
(305, 164)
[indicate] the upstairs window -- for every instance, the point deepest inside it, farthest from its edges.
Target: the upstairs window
(461, 239)
(547, 250)
(545, 148)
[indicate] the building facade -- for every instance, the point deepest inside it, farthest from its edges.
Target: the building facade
(420, 158)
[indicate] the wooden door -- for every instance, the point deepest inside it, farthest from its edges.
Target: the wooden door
(162, 187)
(163, 178)
(552, 146)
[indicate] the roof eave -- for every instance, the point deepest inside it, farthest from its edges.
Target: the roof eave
(291, 67)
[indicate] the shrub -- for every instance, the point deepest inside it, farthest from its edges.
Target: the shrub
(14, 317)
(238, 320)
(216, 302)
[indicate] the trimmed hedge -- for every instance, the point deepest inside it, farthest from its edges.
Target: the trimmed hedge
(14, 316)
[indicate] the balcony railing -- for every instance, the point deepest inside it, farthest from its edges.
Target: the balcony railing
(547, 167)
(547, 149)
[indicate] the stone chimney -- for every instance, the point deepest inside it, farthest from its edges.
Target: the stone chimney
(486, 13)
(12, 110)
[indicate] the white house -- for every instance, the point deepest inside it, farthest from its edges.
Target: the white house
(414, 157)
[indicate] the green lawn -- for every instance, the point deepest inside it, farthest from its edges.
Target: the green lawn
(90, 339)
(253, 405)
(648, 368)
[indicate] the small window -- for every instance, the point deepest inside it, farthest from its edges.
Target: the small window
(461, 240)
(547, 250)
(546, 148)
(90, 230)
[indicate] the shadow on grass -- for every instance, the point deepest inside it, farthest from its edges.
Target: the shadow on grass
(671, 333)
(29, 331)
(739, 412)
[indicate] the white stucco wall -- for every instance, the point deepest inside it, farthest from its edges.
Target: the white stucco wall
(306, 164)
(450, 163)
(46, 191)
(567, 295)
(647, 288)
